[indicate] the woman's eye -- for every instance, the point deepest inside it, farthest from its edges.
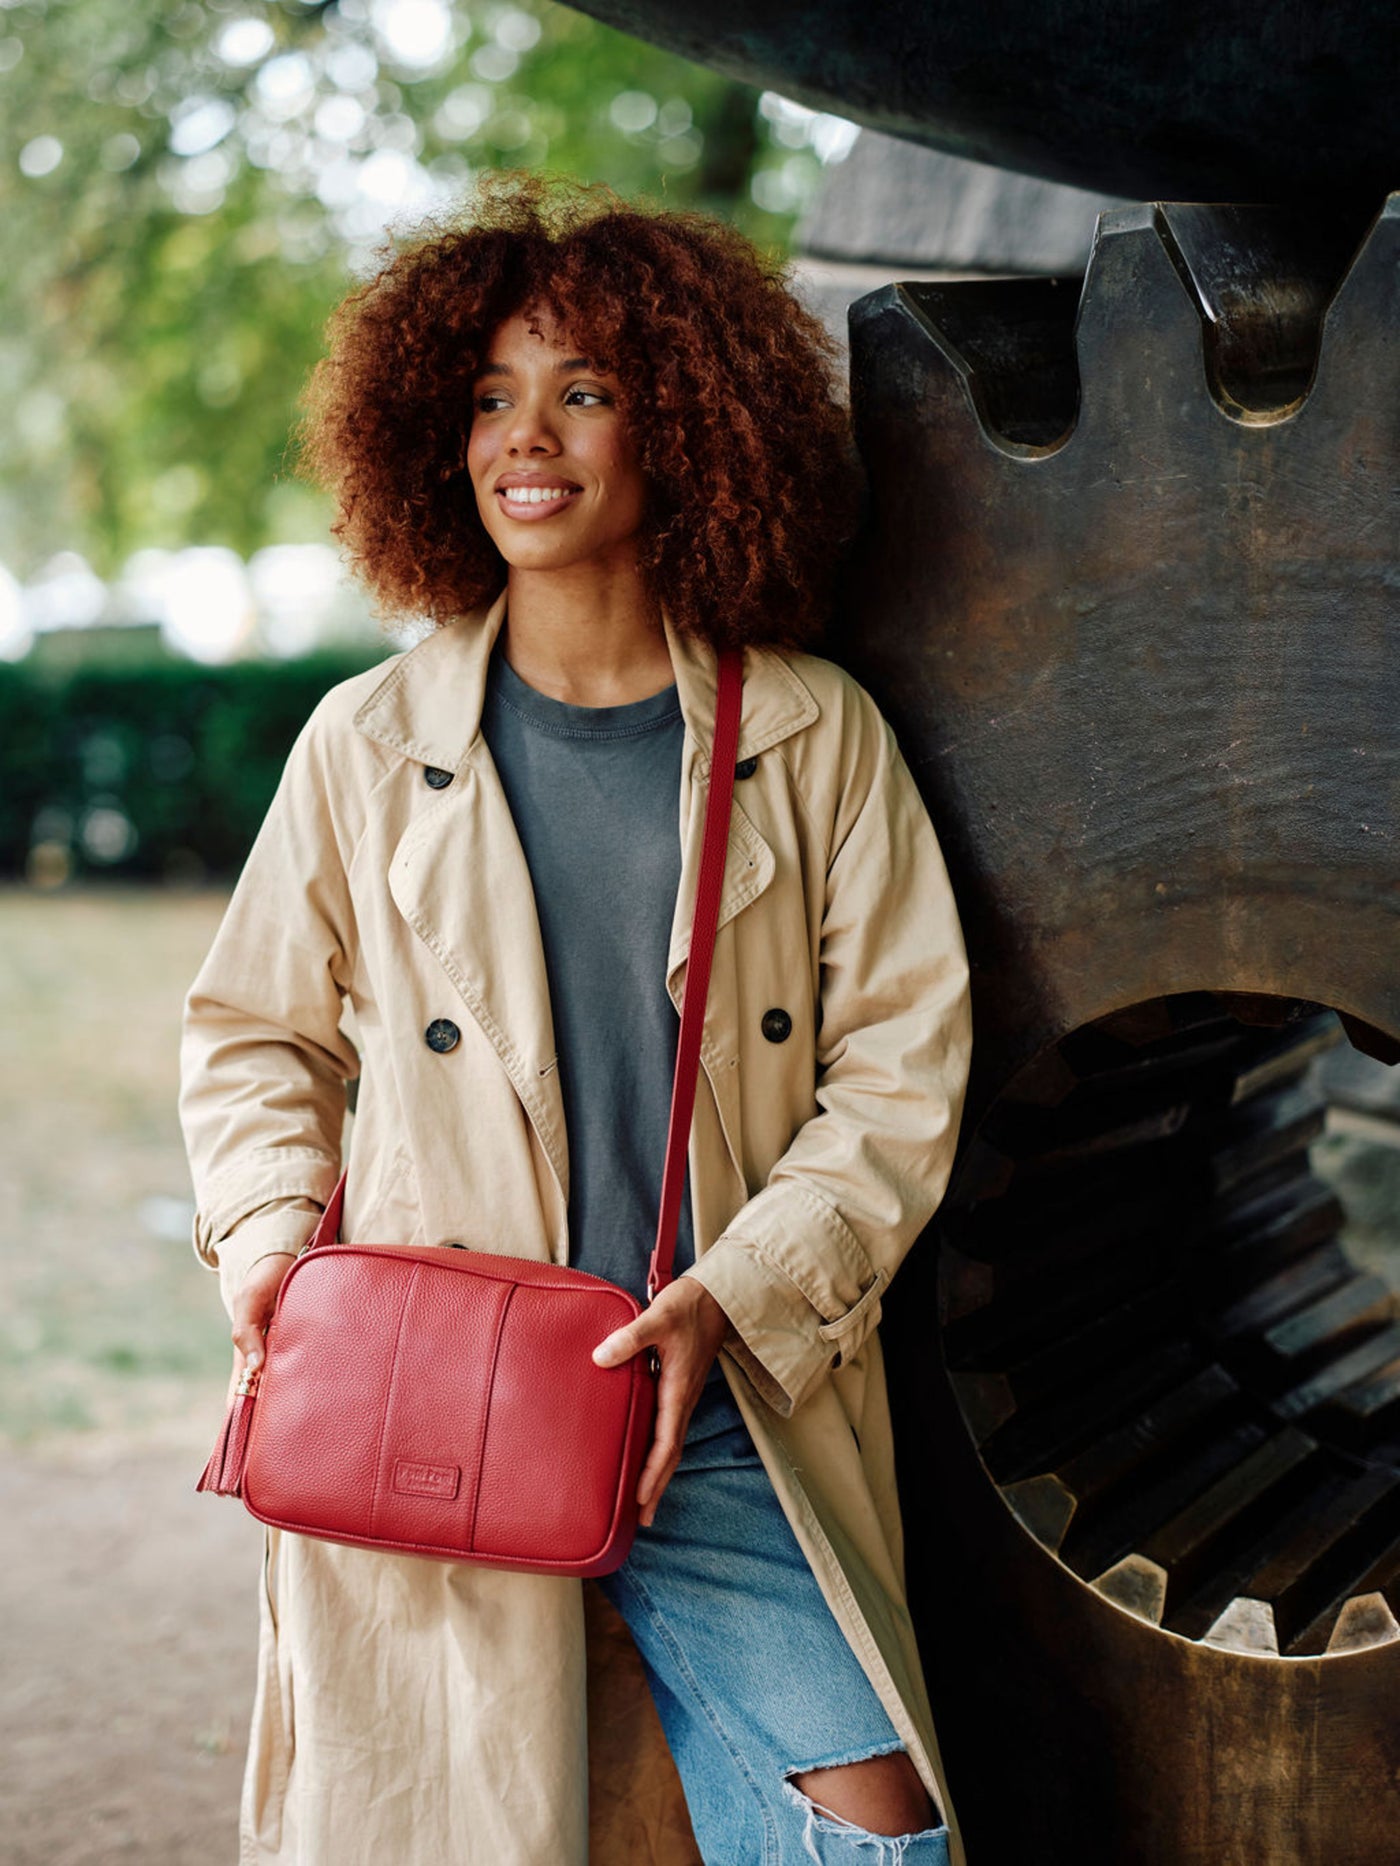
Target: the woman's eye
(487, 404)
(579, 397)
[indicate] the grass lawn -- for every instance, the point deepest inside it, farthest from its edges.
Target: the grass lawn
(107, 1320)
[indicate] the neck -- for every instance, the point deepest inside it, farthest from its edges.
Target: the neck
(590, 639)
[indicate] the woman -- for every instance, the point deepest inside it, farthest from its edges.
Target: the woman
(593, 445)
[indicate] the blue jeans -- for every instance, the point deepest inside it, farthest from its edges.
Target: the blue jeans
(753, 1679)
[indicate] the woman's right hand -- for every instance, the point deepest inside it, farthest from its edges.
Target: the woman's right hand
(252, 1311)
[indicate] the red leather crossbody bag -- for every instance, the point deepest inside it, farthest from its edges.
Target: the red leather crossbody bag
(446, 1403)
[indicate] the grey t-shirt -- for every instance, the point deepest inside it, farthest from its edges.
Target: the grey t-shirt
(594, 791)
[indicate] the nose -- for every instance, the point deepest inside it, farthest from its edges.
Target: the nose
(530, 430)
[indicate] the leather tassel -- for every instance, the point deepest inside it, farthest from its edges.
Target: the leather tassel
(224, 1472)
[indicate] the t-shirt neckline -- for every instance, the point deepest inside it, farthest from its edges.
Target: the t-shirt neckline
(567, 720)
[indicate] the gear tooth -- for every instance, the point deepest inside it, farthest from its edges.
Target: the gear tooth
(995, 360)
(893, 342)
(1140, 336)
(1361, 331)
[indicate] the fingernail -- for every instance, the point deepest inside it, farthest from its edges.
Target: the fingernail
(603, 1354)
(252, 1361)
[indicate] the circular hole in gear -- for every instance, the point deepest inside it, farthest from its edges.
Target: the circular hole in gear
(1179, 1380)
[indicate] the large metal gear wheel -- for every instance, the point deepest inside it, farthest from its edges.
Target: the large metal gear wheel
(1129, 596)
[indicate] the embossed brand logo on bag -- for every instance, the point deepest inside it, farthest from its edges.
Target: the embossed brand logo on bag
(427, 1480)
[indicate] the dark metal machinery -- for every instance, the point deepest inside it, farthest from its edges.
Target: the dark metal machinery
(1130, 593)
(1132, 608)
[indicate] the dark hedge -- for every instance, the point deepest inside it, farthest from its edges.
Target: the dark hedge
(159, 772)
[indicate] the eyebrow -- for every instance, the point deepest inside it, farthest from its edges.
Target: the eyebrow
(504, 369)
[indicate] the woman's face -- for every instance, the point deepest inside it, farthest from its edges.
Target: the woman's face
(556, 477)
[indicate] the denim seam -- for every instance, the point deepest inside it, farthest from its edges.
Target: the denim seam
(770, 1840)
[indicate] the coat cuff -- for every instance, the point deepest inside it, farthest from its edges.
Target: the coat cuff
(284, 1225)
(801, 1294)
(260, 1179)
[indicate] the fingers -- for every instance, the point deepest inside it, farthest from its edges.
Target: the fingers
(685, 1326)
(684, 1309)
(673, 1410)
(623, 1343)
(249, 1328)
(682, 1375)
(248, 1346)
(253, 1307)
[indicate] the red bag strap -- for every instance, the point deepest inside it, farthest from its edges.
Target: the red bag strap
(697, 970)
(328, 1230)
(697, 981)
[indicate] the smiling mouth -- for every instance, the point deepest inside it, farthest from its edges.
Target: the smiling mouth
(535, 501)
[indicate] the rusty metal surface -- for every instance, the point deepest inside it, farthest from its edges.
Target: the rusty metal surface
(1129, 594)
(1199, 100)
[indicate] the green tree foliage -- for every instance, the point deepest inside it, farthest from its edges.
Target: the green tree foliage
(186, 189)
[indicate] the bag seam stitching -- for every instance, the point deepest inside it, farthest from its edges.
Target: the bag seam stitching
(480, 1459)
(389, 1399)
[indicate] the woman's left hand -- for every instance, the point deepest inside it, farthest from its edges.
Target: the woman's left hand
(686, 1326)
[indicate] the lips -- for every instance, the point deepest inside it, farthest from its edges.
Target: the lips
(533, 496)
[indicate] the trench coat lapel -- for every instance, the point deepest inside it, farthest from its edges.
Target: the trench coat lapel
(459, 875)
(775, 705)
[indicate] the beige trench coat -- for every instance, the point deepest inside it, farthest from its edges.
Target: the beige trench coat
(432, 1714)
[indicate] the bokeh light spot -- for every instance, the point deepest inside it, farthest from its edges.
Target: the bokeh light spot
(41, 155)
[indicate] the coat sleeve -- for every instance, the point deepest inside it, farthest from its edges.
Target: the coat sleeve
(264, 1062)
(802, 1268)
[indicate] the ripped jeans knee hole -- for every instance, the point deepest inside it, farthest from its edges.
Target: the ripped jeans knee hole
(830, 1840)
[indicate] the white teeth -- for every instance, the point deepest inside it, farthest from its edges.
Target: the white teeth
(533, 495)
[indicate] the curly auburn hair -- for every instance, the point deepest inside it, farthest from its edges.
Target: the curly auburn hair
(730, 393)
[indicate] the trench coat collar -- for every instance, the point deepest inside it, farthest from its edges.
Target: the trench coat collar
(429, 706)
(776, 702)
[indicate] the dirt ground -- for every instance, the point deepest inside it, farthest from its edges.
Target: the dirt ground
(129, 1603)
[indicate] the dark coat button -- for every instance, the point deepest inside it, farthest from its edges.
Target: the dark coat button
(745, 767)
(776, 1026)
(436, 779)
(442, 1035)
